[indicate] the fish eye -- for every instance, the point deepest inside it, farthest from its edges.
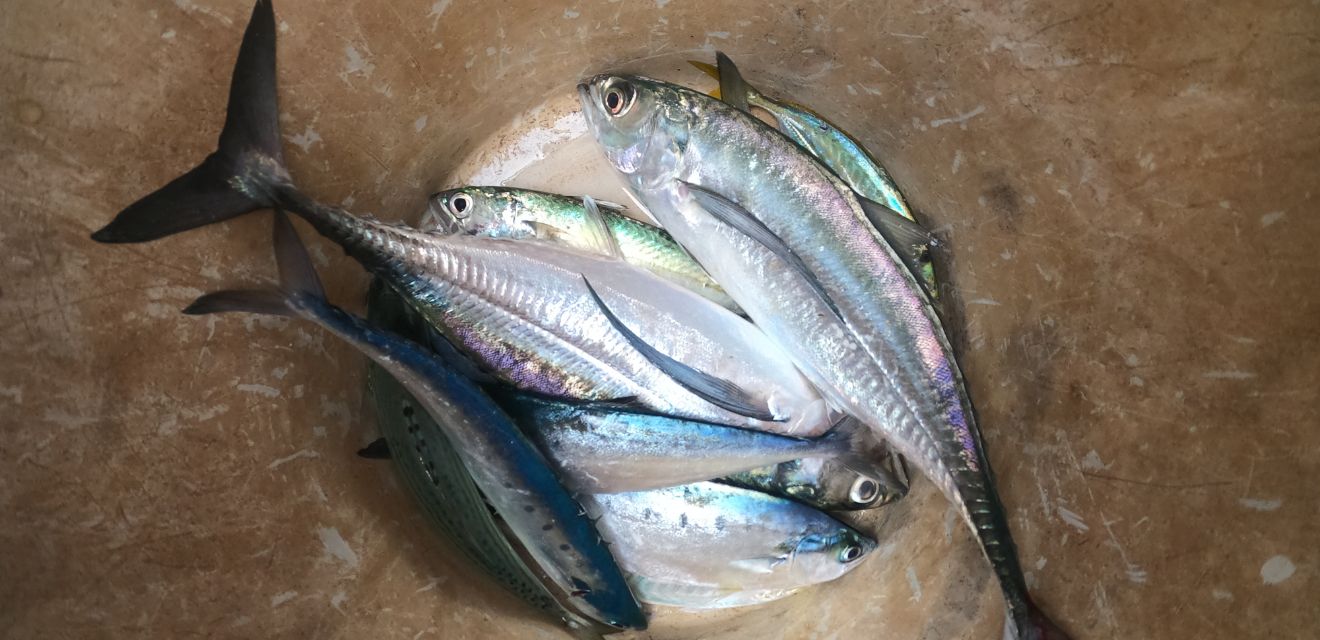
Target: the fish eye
(618, 98)
(850, 553)
(460, 203)
(864, 490)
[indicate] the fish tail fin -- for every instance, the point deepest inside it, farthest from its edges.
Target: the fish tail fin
(1037, 626)
(244, 171)
(845, 438)
(298, 282)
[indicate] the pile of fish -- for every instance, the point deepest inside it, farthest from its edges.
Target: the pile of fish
(604, 413)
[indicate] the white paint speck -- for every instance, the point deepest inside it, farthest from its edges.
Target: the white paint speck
(1137, 381)
(960, 119)
(282, 598)
(660, 4)
(1259, 504)
(356, 63)
(957, 161)
(1277, 569)
(1271, 218)
(570, 14)
(338, 600)
(1228, 375)
(1132, 360)
(1040, 563)
(437, 10)
(989, 302)
(302, 453)
(318, 431)
(1220, 594)
(168, 35)
(1073, 520)
(259, 389)
(914, 584)
(306, 139)
(721, 35)
(1049, 169)
(419, 124)
(336, 546)
(1092, 462)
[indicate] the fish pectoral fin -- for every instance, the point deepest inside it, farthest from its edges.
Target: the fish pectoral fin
(734, 215)
(717, 391)
(379, 449)
(911, 241)
(598, 232)
(733, 89)
(764, 564)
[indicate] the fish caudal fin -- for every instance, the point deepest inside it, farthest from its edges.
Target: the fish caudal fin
(236, 178)
(298, 280)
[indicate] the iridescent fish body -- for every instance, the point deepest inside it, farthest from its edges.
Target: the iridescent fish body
(794, 247)
(600, 448)
(506, 212)
(708, 545)
(832, 146)
(520, 485)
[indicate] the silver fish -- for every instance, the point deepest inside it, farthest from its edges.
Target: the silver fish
(794, 247)
(604, 449)
(516, 480)
(828, 483)
(547, 319)
(708, 545)
(506, 212)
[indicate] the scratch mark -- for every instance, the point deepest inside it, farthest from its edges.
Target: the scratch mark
(1228, 375)
(301, 453)
(958, 119)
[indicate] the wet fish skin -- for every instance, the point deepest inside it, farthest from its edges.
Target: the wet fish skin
(433, 472)
(601, 448)
(520, 308)
(507, 212)
(708, 545)
(883, 358)
(517, 481)
(827, 484)
(832, 146)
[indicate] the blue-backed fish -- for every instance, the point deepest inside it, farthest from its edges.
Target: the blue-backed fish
(515, 478)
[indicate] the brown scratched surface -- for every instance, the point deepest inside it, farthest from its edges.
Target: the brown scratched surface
(1127, 190)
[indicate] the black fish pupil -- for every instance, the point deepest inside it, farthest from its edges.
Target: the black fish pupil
(460, 204)
(612, 101)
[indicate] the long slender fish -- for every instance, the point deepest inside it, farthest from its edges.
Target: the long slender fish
(506, 212)
(791, 243)
(519, 483)
(547, 319)
(708, 545)
(604, 449)
(432, 470)
(832, 146)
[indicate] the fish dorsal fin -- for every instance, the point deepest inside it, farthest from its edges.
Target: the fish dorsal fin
(612, 207)
(732, 214)
(908, 239)
(717, 391)
(598, 231)
(733, 89)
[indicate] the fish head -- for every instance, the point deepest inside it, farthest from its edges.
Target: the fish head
(481, 211)
(823, 555)
(641, 124)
